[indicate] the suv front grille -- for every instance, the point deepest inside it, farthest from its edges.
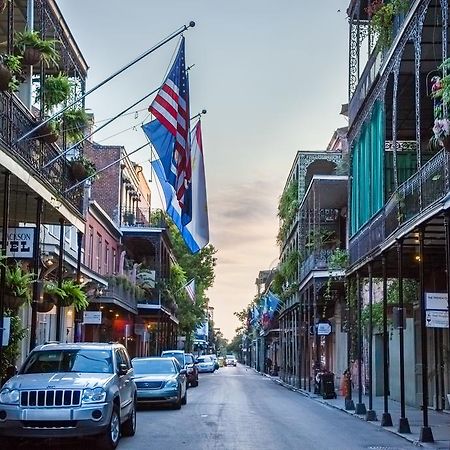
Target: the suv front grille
(53, 397)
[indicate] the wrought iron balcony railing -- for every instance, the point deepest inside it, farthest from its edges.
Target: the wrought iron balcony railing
(33, 155)
(143, 218)
(318, 260)
(414, 197)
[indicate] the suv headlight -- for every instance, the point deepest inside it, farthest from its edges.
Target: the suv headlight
(10, 397)
(95, 395)
(172, 384)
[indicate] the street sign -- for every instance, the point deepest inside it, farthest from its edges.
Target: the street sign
(436, 319)
(323, 328)
(92, 317)
(19, 243)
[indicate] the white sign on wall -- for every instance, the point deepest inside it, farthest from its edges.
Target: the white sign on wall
(92, 317)
(19, 243)
(323, 328)
(6, 330)
(436, 300)
(436, 319)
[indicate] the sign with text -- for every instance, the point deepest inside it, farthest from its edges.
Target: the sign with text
(20, 242)
(323, 328)
(6, 330)
(436, 319)
(92, 317)
(436, 300)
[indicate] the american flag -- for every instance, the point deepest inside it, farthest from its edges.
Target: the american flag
(171, 108)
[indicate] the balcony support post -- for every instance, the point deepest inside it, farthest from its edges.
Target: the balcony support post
(36, 264)
(360, 406)
(426, 434)
(349, 403)
(6, 200)
(403, 426)
(60, 277)
(371, 415)
(78, 314)
(386, 420)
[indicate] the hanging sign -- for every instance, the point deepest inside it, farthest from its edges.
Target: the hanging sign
(92, 317)
(323, 328)
(19, 243)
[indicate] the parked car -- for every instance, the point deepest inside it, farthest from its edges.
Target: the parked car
(230, 360)
(216, 361)
(187, 361)
(160, 380)
(70, 391)
(206, 364)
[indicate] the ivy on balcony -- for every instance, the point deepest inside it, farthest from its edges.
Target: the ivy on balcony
(287, 210)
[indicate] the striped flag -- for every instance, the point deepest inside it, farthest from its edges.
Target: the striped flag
(170, 131)
(190, 289)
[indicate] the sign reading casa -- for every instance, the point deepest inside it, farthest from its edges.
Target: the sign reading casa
(19, 243)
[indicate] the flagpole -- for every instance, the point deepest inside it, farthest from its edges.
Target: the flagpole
(202, 112)
(108, 79)
(104, 168)
(99, 128)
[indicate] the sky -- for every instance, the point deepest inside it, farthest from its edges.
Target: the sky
(272, 76)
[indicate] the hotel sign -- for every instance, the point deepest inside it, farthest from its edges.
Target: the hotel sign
(19, 243)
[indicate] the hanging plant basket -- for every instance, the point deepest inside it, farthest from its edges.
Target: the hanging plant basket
(78, 171)
(13, 302)
(47, 305)
(31, 56)
(5, 77)
(47, 134)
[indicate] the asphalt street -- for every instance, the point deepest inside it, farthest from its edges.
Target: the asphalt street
(237, 409)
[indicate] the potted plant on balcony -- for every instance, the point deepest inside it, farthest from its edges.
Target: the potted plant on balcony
(34, 49)
(82, 168)
(17, 286)
(10, 70)
(440, 92)
(74, 123)
(381, 14)
(52, 293)
(55, 90)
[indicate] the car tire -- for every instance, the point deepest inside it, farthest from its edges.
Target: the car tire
(129, 426)
(184, 399)
(177, 404)
(110, 439)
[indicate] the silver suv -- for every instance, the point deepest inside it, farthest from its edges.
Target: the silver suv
(70, 390)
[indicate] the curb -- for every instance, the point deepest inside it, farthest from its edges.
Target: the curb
(318, 399)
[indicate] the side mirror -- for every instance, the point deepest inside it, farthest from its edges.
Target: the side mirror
(183, 372)
(123, 369)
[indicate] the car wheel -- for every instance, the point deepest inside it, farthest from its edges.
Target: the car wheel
(110, 438)
(177, 404)
(184, 399)
(129, 426)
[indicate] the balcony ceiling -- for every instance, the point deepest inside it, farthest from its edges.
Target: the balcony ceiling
(327, 192)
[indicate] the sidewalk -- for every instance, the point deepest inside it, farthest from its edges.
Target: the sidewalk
(438, 421)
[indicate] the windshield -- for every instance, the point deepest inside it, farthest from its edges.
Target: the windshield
(148, 366)
(81, 361)
(204, 359)
(178, 356)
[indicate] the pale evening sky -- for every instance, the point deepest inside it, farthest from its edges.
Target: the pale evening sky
(272, 75)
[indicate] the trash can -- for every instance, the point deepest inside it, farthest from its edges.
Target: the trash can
(326, 385)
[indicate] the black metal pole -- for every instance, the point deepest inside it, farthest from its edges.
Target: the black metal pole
(6, 196)
(78, 314)
(360, 406)
(426, 435)
(349, 403)
(386, 420)
(309, 339)
(36, 264)
(60, 276)
(403, 426)
(447, 254)
(371, 415)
